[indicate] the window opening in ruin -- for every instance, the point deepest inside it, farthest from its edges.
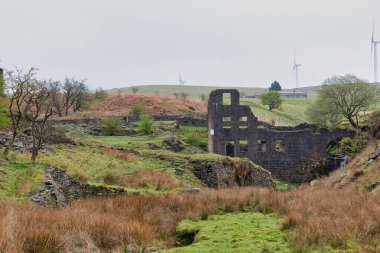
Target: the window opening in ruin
(230, 149)
(243, 122)
(243, 148)
(226, 98)
(262, 145)
(226, 119)
(280, 146)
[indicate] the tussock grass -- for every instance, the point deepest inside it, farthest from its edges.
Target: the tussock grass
(317, 217)
(159, 179)
(123, 155)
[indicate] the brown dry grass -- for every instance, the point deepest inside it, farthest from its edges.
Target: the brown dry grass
(357, 173)
(120, 154)
(159, 179)
(153, 105)
(316, 216)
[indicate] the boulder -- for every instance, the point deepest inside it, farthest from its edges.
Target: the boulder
(221, 172)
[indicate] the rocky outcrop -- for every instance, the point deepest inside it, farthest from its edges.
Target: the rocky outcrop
(221, 172)
(60, 189)
(174, 144)
(375, 154)
(23, 143)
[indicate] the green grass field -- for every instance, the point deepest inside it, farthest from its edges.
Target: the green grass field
(292, 111)
(193, 91)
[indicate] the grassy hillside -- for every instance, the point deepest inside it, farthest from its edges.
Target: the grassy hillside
(292, 111)
(193, 91)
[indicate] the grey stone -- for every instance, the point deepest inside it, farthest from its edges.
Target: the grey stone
(192, 190)
(60, 189)
(375, 154)
(226, 172)
(292, 154)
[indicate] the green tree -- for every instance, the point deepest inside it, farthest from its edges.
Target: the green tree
(111, 126)
(275, 86)
(138, 110)
(342, 98)
(135, 90)
(272, 99)
(145, 125)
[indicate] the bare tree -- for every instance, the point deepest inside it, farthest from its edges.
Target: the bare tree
(55, 88)
(81, 96)
(40, 109)
(19, 83)
(74, 94)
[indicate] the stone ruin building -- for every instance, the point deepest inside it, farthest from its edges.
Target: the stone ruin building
(291, 154)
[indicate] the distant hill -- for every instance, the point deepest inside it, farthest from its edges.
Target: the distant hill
(192, 90)
(196, 91)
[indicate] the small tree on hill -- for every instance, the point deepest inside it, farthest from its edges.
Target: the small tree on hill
(275, 86)
(272, 99)
(138, 110)
(74, 94)
(342, 98)
(135, 90)
(145, 125)
(111, 126)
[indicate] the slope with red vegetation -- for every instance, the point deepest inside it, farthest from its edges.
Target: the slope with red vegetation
(153, 105)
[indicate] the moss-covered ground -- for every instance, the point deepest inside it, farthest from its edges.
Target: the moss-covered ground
(242, 232)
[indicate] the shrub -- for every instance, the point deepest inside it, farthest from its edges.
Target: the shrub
(12, 156)
(111, 178)
(101, 94)
(111, 126)
(138, 110)
(145, 125)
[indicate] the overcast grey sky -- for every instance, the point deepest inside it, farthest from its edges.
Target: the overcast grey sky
(119, 43)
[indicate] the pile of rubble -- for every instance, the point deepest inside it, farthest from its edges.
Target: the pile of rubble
(60, 189)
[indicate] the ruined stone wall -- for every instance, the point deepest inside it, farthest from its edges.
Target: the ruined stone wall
(291, 154)
(185, 120)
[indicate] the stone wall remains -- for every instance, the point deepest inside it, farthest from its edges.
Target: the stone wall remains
(292, 154)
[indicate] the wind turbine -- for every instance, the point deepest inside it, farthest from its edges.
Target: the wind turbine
(181, 81)
(295, 68)
(374, 51)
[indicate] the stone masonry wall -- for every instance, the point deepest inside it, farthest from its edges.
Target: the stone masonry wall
(290, 153)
